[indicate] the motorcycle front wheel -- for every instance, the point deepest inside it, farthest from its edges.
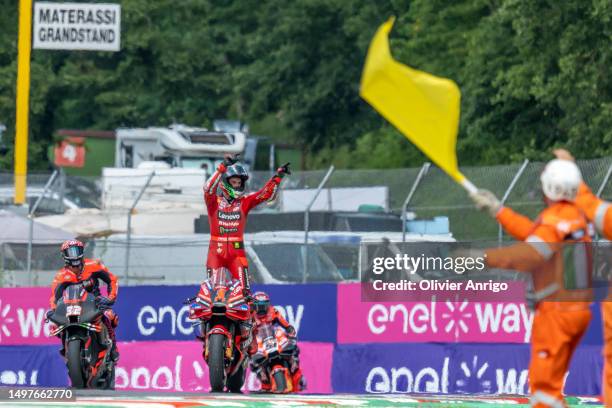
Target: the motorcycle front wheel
(216, 362)
(74, 363)
(109, 383)
(279, 381)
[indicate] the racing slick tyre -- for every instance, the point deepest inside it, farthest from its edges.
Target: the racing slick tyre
(74, 363)
(216, 362)
(280, 381)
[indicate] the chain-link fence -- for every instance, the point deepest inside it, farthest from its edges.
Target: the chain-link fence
(172, 253)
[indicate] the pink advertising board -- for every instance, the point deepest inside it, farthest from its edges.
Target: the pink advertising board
(178, 366)
(22, 316)
(454, 320)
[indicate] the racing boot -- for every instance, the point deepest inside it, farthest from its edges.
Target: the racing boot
(111, 320)
(266, 385)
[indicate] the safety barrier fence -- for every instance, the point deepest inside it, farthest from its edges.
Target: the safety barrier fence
(432, 193)
(347, 345)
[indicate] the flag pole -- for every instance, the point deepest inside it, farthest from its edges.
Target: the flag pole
(469, 186)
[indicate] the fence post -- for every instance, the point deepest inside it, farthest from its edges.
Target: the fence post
(129, 226)
(415, 184)
(307, 219)
(31, 220)
(604, 181)
(62, 192)
(515, 179)
(3, 279)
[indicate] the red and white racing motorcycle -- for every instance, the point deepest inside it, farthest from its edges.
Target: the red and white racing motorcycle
(225, 328)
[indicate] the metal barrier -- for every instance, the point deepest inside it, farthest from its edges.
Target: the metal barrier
(425, 191)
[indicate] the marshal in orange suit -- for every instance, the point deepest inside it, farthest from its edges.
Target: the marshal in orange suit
(599, 212)
(555, 250)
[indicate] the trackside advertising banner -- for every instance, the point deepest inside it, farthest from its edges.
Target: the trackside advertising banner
(22, 316)
(179, 366)
(347, 345)
(151, 365)
(456, 321)
(320, 313)
(375, 368)
(158, 313)
(32, 366)
(452, 368)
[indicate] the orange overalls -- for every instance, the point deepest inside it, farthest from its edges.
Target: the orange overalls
(598, 211)
(561, 315)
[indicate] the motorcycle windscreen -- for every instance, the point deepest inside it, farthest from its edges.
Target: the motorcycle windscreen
(220, 277)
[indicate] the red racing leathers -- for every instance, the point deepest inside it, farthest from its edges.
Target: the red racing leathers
(227, 222)
(274, 317)
(93, 271)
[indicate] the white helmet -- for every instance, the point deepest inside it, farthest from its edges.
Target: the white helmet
(560, 180)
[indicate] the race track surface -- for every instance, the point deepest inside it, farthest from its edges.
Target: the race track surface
(110, 399)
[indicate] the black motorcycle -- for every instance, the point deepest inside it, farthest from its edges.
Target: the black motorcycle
(87, 344)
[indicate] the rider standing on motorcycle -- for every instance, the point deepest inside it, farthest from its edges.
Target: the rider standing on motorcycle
(265, 313)
(227, 215)
(78, 269)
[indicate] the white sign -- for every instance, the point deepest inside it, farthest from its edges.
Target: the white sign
(77, 26)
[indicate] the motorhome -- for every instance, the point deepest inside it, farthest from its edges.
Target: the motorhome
(190, 147)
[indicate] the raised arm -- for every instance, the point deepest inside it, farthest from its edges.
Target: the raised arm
(267, 192)
(598, 211)
(210, 188)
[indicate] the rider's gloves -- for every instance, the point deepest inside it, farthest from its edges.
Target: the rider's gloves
(247, 295)
(49, 314)
(229, 160)
(283, 170)
(88, 284)
(104, 303)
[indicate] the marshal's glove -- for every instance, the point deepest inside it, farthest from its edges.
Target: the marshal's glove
(486, 201)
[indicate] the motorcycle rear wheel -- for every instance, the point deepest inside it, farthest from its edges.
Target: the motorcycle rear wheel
(216, 362)
(75, 366)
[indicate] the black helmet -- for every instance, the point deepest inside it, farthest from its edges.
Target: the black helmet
(72, 252)
(261, 303)
(235, 170)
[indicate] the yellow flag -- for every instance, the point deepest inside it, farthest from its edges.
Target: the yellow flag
(423, 107)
